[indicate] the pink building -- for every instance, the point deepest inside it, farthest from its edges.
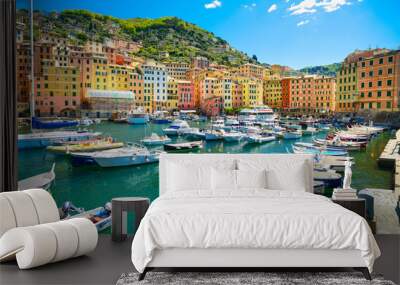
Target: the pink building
(186, 95)
(212, 106)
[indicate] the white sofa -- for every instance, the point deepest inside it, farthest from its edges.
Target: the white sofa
(31, 231)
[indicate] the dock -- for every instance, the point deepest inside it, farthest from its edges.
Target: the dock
(385, 200)
(390, 157)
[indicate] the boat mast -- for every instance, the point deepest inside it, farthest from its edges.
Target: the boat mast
(32, 97)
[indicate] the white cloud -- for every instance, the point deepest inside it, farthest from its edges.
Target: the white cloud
(214, 4)
(250, 6)
(311, 6)
(302, 23)
(272, 8)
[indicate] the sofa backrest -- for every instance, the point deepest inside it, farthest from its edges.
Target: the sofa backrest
(285, 161)
(26, 208)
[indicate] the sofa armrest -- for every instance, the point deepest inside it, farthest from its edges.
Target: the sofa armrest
(41, 244)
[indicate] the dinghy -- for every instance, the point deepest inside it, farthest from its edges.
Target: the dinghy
(43, 180)
(100, 216)
(183, 147)
(331, 152)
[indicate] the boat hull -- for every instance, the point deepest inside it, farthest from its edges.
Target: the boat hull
(138, 120)
(125, 160)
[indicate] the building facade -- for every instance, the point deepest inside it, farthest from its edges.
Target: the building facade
(272, 93)
(379, 82)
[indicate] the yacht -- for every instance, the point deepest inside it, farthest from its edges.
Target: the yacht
(261, 113)
(178, 127)
(233, 136)
(214, 135)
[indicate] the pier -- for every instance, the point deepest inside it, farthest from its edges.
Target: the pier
(390, 157)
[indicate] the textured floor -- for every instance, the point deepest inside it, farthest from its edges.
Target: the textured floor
(110, 260)
(250, 278)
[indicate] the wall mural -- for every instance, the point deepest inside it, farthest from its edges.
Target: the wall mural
(110, 93)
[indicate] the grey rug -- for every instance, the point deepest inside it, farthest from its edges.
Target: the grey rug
(268, 278)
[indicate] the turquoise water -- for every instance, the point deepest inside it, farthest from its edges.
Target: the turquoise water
(93, 186)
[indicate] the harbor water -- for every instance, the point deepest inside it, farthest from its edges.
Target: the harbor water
(92, 186)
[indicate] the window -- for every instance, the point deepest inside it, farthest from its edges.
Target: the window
(379, 93)
(381, 61)
(390, 70)
(390, 59)
(389, 93)
(379, 83)
(389, 82)
(380, 72)
(388, 104)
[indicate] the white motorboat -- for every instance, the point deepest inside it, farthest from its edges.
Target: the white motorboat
(233, 136)
(213, 135)
(258, 138)
(310, 131)
(178, 127)
(231, 122)
(126, 156)
(218, 124)
(43, 180)
(292, 135)
(155, 139)
(86, 122)
(194, 133)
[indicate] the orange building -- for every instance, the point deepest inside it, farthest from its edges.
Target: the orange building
(379, 81)
(309, 93)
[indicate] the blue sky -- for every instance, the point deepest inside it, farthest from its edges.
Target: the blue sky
(296, 33)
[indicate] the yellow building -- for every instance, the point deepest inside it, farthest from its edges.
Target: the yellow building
(252, 91)
(346, 91)
(251, 70)
(57, 90)
(172, 94)
(272, 93)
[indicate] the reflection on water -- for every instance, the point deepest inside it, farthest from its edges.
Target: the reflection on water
(91, 186)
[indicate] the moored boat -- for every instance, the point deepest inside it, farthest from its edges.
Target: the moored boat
(155, 139)
(214, 135)
(177, 127)
(292, 135)
(330, 152)
(52, 124)
(44, 139)
(233, 136)
(101, 216)
(126, 156)
(258, 138)
(138, 117)
(183, 147)
(85, 147)
(43, 180)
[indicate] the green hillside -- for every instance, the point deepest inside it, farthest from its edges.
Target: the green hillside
(182, 40)
(328, 70)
